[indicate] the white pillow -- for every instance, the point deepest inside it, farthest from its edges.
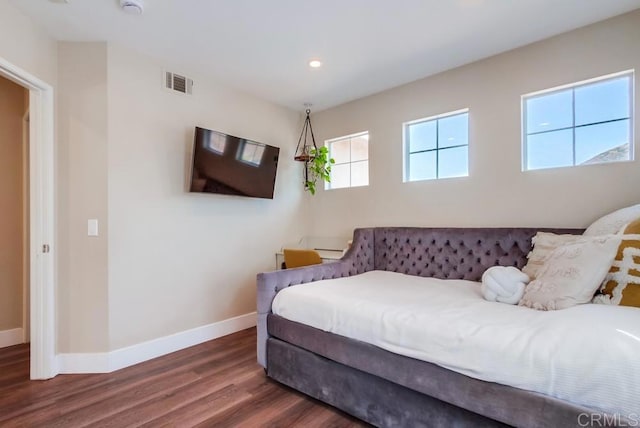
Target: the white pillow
(614, 222)
(572, 274)
(543, 244)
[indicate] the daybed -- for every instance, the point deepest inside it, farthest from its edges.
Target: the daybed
(369, 377)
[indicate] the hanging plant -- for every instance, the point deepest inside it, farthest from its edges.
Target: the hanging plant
(317, 163)
(318, 167)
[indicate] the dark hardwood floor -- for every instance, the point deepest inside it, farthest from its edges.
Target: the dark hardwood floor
(215, 384)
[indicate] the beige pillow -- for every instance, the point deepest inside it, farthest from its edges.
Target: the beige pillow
(614, 222)
(543, 244)
(571, 274)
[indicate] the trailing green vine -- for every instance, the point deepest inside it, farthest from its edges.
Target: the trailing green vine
(318, 167)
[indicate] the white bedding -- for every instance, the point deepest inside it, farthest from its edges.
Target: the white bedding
(588, 354)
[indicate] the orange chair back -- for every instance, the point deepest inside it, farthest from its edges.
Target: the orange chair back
(294, 258)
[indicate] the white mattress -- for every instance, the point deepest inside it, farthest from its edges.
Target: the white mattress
(588, 354)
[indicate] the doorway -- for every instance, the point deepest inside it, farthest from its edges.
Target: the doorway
(40, 189)
(14, 223)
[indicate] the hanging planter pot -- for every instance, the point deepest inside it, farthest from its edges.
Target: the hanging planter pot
(317, 163)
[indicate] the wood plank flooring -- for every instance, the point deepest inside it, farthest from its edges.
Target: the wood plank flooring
(215, 384)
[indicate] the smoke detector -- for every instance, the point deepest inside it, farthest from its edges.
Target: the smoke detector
(133, 7)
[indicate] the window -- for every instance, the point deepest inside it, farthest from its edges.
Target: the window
(437, 147)
(351, 154)
(584, 123)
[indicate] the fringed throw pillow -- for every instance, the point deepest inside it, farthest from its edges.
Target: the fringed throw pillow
(543, 245)
(571, 274)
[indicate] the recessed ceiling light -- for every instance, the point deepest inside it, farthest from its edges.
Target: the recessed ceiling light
(133, 7)
(315, 63)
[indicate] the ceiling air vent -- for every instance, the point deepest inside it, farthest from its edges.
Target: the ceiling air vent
(178, 83)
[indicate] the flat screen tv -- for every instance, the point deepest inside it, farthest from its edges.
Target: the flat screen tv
(232, 166)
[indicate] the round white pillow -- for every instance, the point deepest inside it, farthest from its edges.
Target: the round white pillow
(612, 223)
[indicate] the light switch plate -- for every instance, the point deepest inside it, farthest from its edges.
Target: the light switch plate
(92, 227)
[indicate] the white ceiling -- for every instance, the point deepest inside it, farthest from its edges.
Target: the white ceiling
(263, 47)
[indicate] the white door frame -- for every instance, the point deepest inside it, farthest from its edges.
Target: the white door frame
(26, 227)
(41, 220)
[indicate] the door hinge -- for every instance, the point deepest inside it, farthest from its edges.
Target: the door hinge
(45, 248)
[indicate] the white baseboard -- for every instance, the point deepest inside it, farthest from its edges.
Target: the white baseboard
(107, 362)
(83, 363)
(135, 354)
(11, 337)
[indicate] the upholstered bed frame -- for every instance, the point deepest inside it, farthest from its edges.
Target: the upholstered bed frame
(387, 389)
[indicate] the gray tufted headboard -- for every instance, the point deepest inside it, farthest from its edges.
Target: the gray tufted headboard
(455, 253)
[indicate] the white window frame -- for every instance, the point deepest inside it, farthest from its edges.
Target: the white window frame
(327, 143)
(406, 168)
(573, 87)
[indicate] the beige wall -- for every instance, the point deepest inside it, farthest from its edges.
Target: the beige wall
(12, 110)
(180, 260)
(496, 193)
(26, 45)
(82, 195)
(165, 260)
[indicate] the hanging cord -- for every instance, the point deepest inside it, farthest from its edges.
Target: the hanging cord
(304, 155)
(306, 129)
(313, 139)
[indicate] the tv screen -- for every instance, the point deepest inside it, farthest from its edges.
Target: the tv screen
(232, 166)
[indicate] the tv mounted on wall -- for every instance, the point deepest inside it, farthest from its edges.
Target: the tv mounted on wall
(232, 166)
